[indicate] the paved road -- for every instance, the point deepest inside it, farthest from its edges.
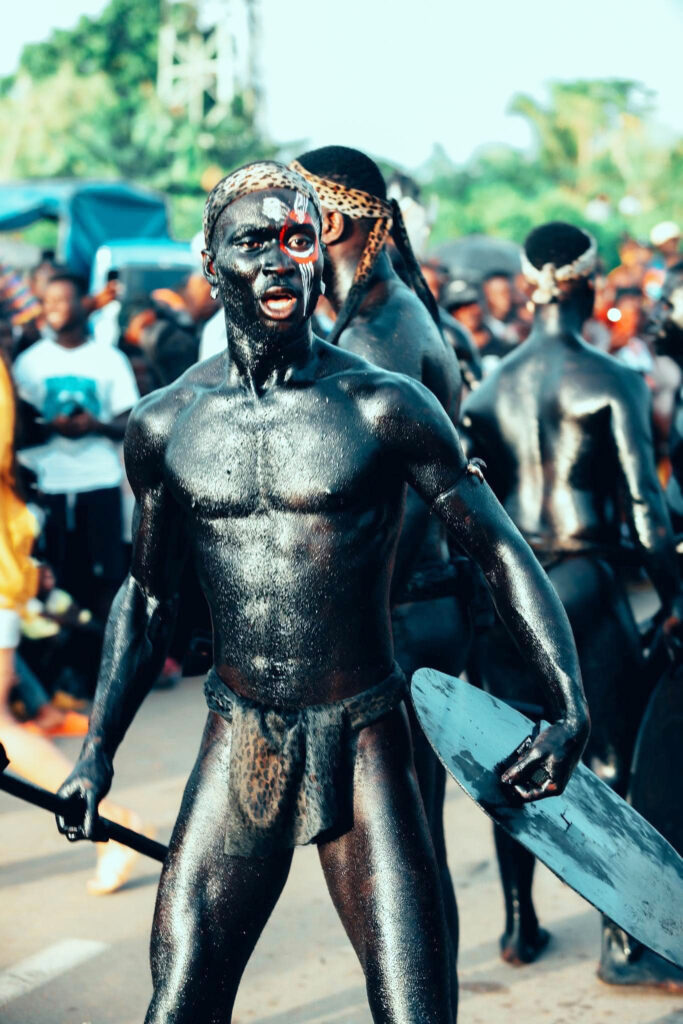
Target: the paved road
(68, 958)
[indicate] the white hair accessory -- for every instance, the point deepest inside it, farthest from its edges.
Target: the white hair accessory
(548, 278)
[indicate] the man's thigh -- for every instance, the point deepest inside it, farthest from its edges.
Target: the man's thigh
(384, 882)
(211, 907)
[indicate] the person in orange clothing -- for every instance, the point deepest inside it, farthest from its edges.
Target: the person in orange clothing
(31, 754)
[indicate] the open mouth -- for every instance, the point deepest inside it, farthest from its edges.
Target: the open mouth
(278, 303)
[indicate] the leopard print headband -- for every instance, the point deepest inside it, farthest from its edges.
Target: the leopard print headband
(258, 177)
(352, 202)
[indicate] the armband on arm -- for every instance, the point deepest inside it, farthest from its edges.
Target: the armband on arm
(475, 468)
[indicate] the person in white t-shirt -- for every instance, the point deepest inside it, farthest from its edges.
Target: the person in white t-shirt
(83, 393)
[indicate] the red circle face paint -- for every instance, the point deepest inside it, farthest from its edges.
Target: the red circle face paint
(294, 221)
(307, 257)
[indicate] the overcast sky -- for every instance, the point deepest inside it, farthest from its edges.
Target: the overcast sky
(394, 78)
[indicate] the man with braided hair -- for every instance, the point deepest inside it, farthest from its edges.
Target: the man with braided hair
(380, 318)
(566, 431)
(280, 467)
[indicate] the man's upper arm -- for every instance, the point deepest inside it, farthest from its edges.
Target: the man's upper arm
(421, 438)
(631, 430)
(158, 548)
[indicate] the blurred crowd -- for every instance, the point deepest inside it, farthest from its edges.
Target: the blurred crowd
(493, 307)
(79, 362)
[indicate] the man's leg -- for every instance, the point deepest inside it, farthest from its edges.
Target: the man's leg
(657, 762)
(505, 676)
(523, 940)
(383, 879)
(433, 634)
(211, 908)
(612, 668)
(614, 679)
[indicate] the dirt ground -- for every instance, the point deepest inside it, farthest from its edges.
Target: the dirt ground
(68, 958)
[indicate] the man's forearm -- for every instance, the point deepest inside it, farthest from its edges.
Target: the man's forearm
(136, 639)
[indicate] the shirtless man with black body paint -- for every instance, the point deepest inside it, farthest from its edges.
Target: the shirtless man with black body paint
(280, 467)
(392, 328)
(566, 431)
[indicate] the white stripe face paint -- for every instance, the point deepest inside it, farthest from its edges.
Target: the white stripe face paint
(306, 269)
(305, 259)
(300, 206)
(37, 970)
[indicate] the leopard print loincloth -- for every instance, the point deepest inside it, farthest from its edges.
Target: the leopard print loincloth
(290, 772)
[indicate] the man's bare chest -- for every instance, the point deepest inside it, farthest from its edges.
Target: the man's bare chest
(301, 452)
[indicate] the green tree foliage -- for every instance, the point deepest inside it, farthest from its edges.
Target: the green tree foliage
(84, 104)
(592, 139)
(121, 42)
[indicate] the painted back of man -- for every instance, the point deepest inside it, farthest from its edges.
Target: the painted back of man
(566, 433)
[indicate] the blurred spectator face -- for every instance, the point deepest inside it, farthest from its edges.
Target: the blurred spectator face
(470, 316)
(666, 238)
(669, 249)
(629, 253)
(625, 319)
(62, 306)
(47, 578)
(435, 276)
(498, 295)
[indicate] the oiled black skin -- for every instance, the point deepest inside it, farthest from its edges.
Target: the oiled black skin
(393, 329)
(280, 468)
(565, 431)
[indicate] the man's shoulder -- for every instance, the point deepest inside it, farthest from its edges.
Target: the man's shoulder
(399, 331)
(401, 312)
(390, 403)
(360, 377)
(614, 378)
(154, 416)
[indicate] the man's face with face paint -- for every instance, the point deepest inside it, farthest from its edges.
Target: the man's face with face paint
(666, 322)
(268, 261)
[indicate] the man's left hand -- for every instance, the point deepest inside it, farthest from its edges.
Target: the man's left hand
(545, 764)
